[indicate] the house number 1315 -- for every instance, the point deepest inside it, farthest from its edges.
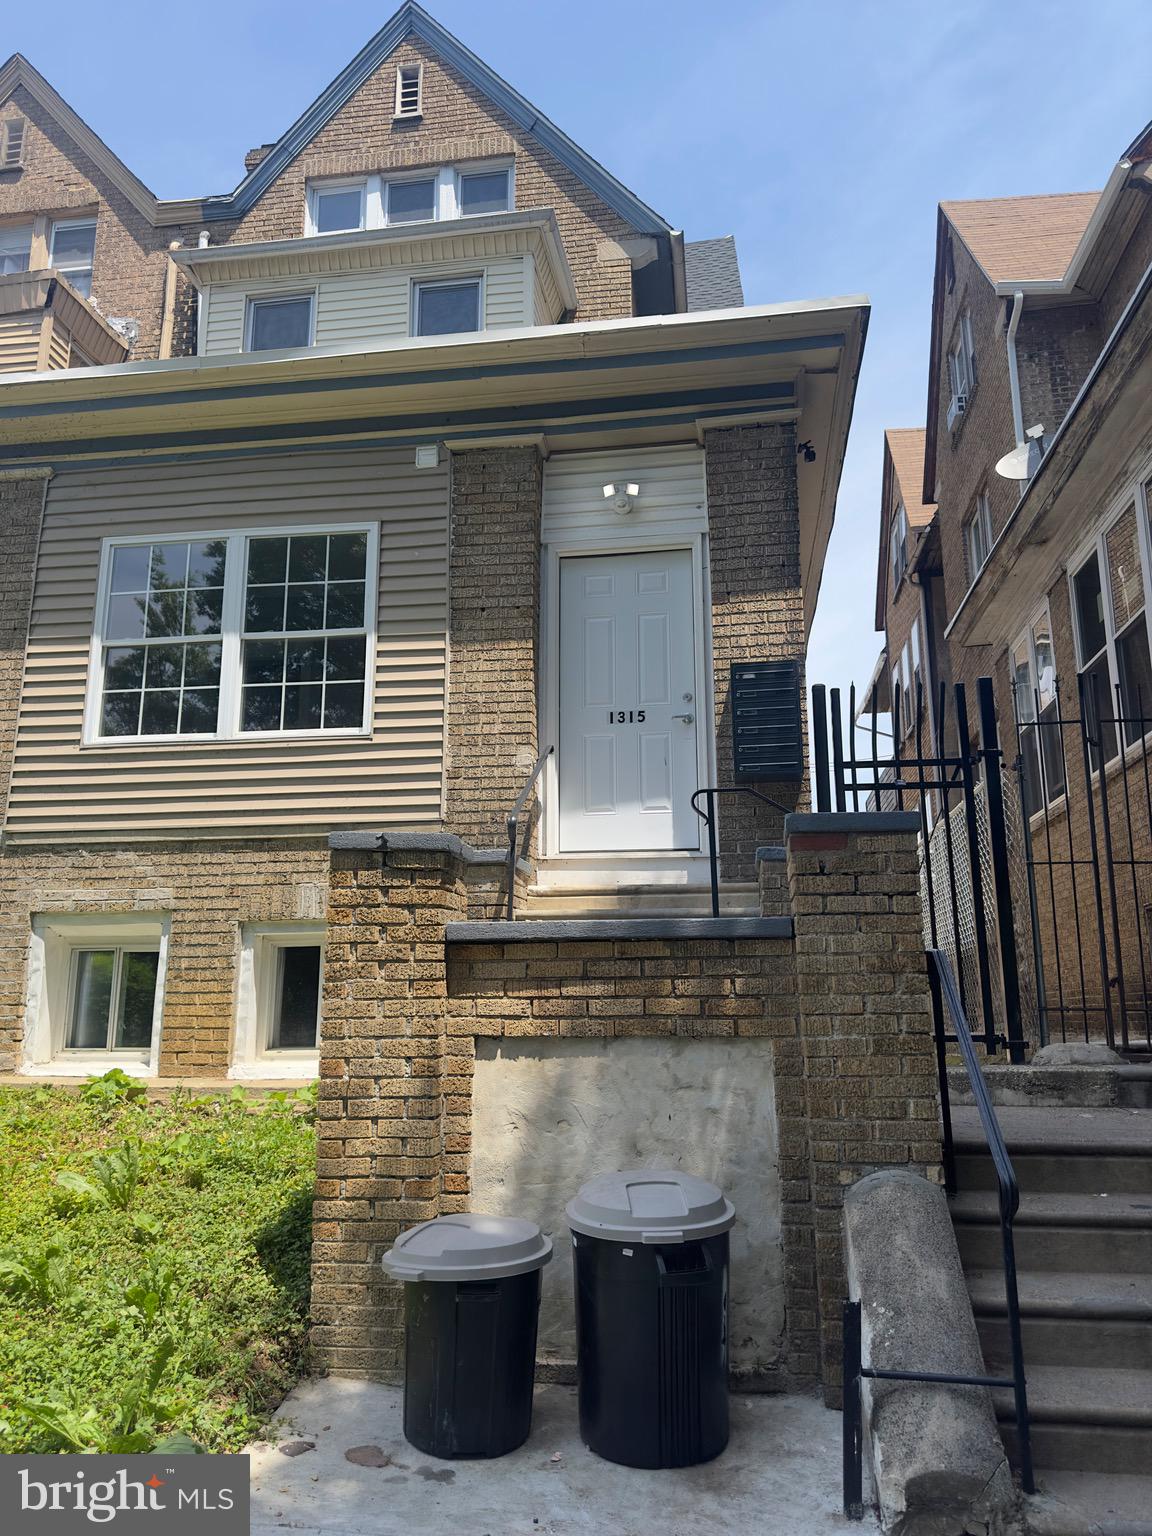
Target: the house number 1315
(625, 717)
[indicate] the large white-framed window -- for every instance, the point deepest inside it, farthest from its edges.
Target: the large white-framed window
(978, 536)
(417, 196)
(279, 320)
(447, 306)
(1109, 586)
(234, 635)
(898, 545)
(15, 248)
(278, 1000)
(71, 251)
(95, 992)
(1037, 707)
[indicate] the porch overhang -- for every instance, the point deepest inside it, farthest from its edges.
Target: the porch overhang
(609, 383)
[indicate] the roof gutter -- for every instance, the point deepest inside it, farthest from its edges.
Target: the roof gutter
(1100, 214)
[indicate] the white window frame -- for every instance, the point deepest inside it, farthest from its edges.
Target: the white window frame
(445, 194)
(1026, 642)
(961, 368)
(418, 111)
(13, 132)
(30, 229)
(898, 546)
(56, 940)
(66, 272)
(228, 718)
(1134, 493)
(458, 281)
(252, 302)
(316, 190)
(260, 946)
(981, 519)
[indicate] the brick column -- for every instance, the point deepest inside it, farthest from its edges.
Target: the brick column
(384, 1092)
(22, 495)
(494, 613)
(865, 1024)
(757, 603)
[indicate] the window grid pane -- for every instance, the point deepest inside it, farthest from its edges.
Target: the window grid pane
(445, 309)
(163, 677)
(92, 999)
(295, 1020)
(299, 672)
(411, 202)
(338, 208)
(484, 192)
(277, 323)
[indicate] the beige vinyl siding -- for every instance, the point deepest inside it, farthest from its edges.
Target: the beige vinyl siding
(19, 342)
(362, 307)
(59, 347)
(63, 789)
(671, 481)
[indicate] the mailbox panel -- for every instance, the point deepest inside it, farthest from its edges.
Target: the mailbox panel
(767, 734)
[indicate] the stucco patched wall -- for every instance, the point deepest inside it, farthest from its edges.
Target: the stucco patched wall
(549, 1114)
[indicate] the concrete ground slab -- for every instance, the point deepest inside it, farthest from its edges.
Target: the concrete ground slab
(781, 1472)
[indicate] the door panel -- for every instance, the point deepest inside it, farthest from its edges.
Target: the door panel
(627, 761)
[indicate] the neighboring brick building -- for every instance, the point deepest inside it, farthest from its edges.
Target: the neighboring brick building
(1037, 577)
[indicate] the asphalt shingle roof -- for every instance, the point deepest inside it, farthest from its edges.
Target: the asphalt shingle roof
(1023, 239)
(712, 274)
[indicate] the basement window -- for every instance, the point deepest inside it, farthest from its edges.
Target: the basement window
(279, 1000)
(409, 90)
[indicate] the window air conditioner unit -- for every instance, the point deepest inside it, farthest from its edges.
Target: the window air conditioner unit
(956, 408)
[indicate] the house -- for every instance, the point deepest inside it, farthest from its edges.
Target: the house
(444, 487)
(1037, 454)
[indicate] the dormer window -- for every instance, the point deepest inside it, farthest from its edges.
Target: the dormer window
(411, 197)
(409, 82)
(280, 322)
(338, 207)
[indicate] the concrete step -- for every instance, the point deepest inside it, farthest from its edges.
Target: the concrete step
(1074, 1319)
(1058, 1232)
(1089, 1420)
(1089, 1504)
(549, 903)
(1060, 1150)
(1125, 1085)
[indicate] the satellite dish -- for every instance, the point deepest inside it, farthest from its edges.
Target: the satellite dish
(1021, 462)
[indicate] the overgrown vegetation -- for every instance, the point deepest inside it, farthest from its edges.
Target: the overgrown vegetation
(153, 1264)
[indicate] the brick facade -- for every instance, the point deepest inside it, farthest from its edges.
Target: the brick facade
(757, 604)
(208, 890)
(494, 612)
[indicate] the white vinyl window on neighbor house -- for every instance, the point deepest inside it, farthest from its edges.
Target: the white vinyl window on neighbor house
(15, 248)
(346, 205)
(278, 1001)
(1037, 708)
(978, 537)
(234, 635)
(961, 369)
(898, 545)
(71, 252)
(1109, 590)
(95, 992)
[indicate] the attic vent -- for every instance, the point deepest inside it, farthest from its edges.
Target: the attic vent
(11, 143)
(408, 80)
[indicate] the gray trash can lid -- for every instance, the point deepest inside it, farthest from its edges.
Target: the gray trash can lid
(650, 1205)
(468, 1246)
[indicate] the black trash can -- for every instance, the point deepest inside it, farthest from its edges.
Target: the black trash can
(650, 1250)
(471, 1299)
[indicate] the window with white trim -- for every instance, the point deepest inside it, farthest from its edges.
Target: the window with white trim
(961, 368)
(410, 197)
(1037, 707)
(409, 90)
(15, 248)
(1110, 623)
(898, 545)
(12, 135)
(279, 1000)
(71, 252)
(95, 991)
(235, 635)
(445, 308)
(978, 536)
(281, 320)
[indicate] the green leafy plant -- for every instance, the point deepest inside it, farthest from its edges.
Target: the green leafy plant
(114, 1178)
(43, 1276)
(121, 1433)
(115, 1087)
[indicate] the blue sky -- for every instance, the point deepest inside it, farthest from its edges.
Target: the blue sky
(821, 133)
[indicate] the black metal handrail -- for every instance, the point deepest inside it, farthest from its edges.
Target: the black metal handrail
(708, 817)
(513, 823)
(946, 1001)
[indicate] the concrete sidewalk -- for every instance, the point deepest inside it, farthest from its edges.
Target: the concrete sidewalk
(780, 1473)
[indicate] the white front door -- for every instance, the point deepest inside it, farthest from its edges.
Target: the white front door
(627, 755)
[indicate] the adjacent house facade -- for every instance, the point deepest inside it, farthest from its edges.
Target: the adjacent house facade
(1036, 458)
